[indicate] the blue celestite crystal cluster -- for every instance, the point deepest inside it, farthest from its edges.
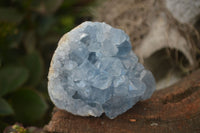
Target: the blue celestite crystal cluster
(94, 70)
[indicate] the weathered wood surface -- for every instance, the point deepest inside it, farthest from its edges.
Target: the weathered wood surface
(175, 109)
(157, 27)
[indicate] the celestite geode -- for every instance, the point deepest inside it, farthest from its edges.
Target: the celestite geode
(94, 70)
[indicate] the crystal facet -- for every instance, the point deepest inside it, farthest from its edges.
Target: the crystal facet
(94, 70)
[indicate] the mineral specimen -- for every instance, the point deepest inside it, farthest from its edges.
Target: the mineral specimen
(94, 70)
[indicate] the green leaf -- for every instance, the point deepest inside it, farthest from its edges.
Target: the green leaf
(29, 41)
(28, 105)
(45, 25)
(11, 78)
(10, 15)
(5, 108)
(34, 64)
(67, 21)
(0, 62)
(67, 4)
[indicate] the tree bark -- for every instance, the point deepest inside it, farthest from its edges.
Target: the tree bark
(175, 109)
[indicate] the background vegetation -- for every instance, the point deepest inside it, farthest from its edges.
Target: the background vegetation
(29, 32)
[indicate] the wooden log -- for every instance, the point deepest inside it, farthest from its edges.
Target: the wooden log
(175, 109)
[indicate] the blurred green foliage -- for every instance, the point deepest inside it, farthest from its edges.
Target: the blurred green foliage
(29, 32)
(18, 128)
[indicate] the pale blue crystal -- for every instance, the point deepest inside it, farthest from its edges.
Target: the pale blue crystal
(94, 71)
